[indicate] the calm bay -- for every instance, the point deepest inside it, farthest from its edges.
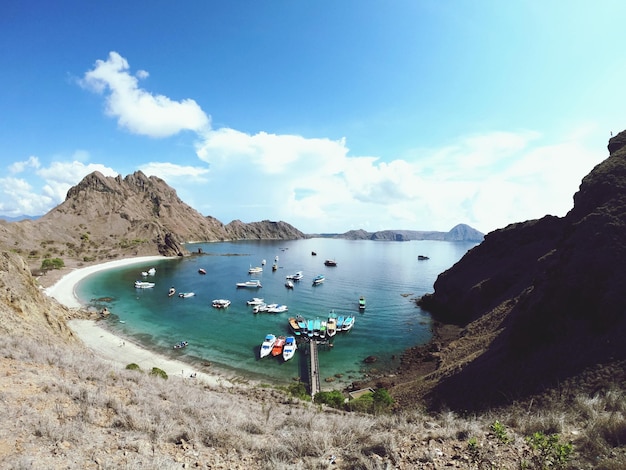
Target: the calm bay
(388, 274)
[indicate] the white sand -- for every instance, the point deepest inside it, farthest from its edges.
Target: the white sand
(114, 348)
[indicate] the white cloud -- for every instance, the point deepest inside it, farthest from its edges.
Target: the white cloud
(171, 172)
(137, 110)
(19, 167)
(18, 198)
(61, 176)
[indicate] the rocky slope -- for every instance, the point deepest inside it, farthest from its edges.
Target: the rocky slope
(540, 302)
(104, 218)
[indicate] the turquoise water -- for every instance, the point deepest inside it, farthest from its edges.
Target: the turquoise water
(388, 274)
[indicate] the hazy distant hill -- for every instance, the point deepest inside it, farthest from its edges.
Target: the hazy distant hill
(540, 301)
(460, 232)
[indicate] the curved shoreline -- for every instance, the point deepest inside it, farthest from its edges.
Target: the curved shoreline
(113, 348)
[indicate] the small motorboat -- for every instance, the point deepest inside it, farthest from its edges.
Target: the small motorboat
(277, 349)
(202, 271)
(181, 345)
(149, 272)
(289, 349)
(185, 295)
(361, 303)
(251, 284)
(220, 303)
(277, 309)
(317, 280)
(255, 270)
(267, 345)
(295, 277)
(255, 301)
(294, 325)
(143, 285)
(262, 307)
(422, 257)
(289, 284)
(330, 262)
(171, 292)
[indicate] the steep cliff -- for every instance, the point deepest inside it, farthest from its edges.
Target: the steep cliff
(541, 301)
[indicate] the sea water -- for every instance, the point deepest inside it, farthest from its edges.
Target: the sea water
(388, 274)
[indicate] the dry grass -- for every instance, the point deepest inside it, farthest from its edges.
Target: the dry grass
(64, 408)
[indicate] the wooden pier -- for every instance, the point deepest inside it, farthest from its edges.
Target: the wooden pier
(314, 369)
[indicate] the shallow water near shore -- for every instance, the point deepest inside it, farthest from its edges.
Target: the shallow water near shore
(388, 274)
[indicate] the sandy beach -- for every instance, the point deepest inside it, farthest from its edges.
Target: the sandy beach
(119, 351)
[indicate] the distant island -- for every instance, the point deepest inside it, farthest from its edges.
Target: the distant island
(460, 232)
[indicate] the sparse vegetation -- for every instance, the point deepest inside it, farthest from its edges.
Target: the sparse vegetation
(158, 373)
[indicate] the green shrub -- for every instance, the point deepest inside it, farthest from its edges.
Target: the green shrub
(298, 390)
(52, 263)
(334, 398)
(499, 430)
(548, 451)
(133, 366)
(159, 373)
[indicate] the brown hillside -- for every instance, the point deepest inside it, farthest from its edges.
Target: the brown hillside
(104, 218)
(541, 302)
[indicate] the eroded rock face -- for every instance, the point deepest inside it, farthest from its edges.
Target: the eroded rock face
(557, 285)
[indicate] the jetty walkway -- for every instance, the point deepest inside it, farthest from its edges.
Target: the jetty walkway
(314, 369)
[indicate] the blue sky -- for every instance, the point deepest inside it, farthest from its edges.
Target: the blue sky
(331, 116)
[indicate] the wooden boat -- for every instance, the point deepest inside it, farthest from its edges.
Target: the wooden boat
(340, 319)
(348, 323)
(361, 303)
(301, 323)
(277, 349)
(309, 328)
(331, 326)
(267, 345)
(295, 327)
(290, 347)
(422, 257)
(330, 262)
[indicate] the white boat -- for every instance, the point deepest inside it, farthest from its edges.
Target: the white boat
(263, 263)
(252, 283)
(171, 292)
(267, 345)
(317, 280)
(143, 284)
(255, 301)
(289, 349)
(260, 308)
(331, 326)
(255, 270)
(181, 345)
(295, 277)
(149, 272)
(185, 295)
(221, 303)
(348, 323)
(277, 309)
(289, 284)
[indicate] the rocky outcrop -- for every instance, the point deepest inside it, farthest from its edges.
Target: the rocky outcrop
(541, 301)
(264, 230)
